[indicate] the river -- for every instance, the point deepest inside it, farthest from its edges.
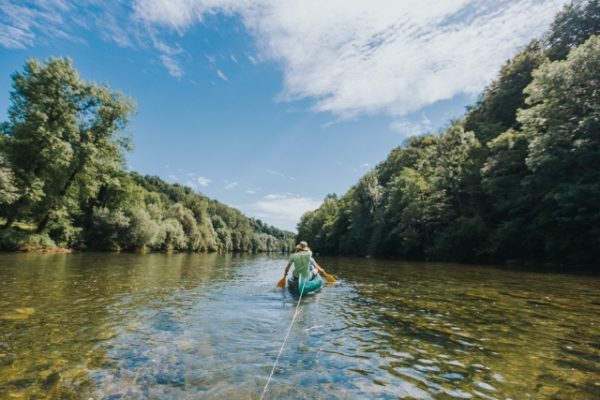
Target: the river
(183, 326)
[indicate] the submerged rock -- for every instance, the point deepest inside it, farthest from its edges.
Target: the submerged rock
(51, 380)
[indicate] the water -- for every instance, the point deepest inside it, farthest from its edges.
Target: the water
(124, 326)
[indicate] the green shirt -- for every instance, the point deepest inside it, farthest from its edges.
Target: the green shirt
(301, 261)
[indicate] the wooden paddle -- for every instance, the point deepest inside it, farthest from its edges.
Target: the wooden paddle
(328, 278)
(281, 283)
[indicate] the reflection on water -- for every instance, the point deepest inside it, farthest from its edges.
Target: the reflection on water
(112, 326)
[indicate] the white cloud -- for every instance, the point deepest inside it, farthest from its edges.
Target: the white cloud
(222, 75)
(173, 177)
(230, 185)
(249, 191)
(276, 173)
(350, 57)
(211, 59)
(22, 25)
(233, 58)
(172, 66)
(25, 24)
(354, 57)
(407, 128)
(168, 57)
(280, 174)
(283, 210)
(203, 181)
(111, 30)
(252, 59)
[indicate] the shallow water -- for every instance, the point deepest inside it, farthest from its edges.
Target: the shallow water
(124, 326)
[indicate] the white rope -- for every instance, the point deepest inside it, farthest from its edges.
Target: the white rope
(284, 340)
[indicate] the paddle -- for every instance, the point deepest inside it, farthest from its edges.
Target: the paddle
(328, 278)
(281, 283)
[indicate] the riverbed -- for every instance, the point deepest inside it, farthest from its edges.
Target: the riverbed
(198, 326)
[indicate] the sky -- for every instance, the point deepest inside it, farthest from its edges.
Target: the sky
(268, 106)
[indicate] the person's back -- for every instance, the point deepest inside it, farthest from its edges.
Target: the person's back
(301, 261)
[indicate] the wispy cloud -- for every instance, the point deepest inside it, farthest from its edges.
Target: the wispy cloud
(252, 59)
(230, 185)
(21, 25)
(25, 24)
(222, 75)
(172, 66)
(280, 174)
(211, 59)
(283, 210)
(169, 57)
(352, 58)
(407, 128)
(391, 56)
(203, 181)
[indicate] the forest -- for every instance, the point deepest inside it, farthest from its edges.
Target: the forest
(63, 182)
(517, 179)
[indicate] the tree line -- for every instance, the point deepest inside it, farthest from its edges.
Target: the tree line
(517, 178)
(63, 181)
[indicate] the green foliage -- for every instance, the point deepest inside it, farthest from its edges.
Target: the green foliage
(496, 110)
(142, 231)
(12, 239)
(61, 132)
(108, 229)
(574, 25)
(171, 236)
(61, 156)
(8, 189)
(517, 178)
(563, 127)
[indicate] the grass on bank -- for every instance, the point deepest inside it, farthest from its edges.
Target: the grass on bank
(22, 237)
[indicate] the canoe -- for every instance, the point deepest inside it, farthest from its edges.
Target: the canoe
(308, 286)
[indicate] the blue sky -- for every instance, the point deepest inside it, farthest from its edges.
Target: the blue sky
(269, 106)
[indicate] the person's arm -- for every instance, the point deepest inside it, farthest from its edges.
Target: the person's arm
(317, 266)
(287, 268)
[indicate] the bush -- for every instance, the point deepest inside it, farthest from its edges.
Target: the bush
(17, 240)
(108, 229)
(37, 242)
(10, 239)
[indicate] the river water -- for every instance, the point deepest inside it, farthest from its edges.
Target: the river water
(181, 326)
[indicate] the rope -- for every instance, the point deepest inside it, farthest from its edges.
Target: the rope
(284, 340)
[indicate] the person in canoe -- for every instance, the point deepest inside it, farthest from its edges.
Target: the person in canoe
(303, 262)
(302, 280)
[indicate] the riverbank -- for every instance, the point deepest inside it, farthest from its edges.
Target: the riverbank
(21, 239)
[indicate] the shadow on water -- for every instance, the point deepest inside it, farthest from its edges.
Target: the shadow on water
(157, 326)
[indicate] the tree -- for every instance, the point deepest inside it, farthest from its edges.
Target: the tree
(61, 132)
(574, 25)
(563, 126)
(496, 110)
(8, 189)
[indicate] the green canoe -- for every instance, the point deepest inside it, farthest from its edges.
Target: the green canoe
(307, 286)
